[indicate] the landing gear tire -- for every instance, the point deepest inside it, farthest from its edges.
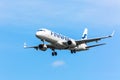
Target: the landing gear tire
(54, 53)
(73, 51)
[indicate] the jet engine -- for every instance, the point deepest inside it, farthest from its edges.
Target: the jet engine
(81, 47)
(71, 43)
(43, 47)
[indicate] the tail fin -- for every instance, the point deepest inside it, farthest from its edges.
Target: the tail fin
(84, 36)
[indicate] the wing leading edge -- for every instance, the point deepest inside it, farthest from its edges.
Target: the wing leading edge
(94, 39)
(38, 46)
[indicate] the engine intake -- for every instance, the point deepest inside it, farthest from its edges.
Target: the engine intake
(71, 43)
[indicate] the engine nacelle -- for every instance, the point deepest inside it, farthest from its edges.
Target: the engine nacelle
(43, 47)
(71, 43)
(80, 47)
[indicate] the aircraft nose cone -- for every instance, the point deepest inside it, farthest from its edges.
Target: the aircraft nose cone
(37, 34)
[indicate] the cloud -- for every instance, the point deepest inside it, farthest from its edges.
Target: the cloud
(58, 63)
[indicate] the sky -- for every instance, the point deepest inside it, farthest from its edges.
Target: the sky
(20, 19)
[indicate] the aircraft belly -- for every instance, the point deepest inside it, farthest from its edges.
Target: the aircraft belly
(79, 47)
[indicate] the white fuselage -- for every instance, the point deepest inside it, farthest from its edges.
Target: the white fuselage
(57, 39)
(60, 42)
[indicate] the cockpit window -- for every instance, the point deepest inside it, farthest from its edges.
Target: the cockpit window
(41, 30)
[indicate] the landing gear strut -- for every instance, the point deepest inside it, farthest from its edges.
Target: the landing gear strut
(42, 40)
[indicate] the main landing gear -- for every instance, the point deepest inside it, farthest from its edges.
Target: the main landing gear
(73, 51)
(54, 53)
(43, 41)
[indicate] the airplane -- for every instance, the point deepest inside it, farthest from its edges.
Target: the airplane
(59, 42)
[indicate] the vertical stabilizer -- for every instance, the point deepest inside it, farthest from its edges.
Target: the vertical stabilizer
(85, 33)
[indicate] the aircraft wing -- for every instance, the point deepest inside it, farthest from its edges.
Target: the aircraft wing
(93, 39)
(37, 47)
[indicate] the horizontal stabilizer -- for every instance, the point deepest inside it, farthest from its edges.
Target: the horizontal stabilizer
(25, 45)
(95, 45)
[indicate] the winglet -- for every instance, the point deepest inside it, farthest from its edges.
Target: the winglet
(112, 34)
(25, 45)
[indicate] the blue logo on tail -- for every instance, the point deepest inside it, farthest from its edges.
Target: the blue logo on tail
(85, 36)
